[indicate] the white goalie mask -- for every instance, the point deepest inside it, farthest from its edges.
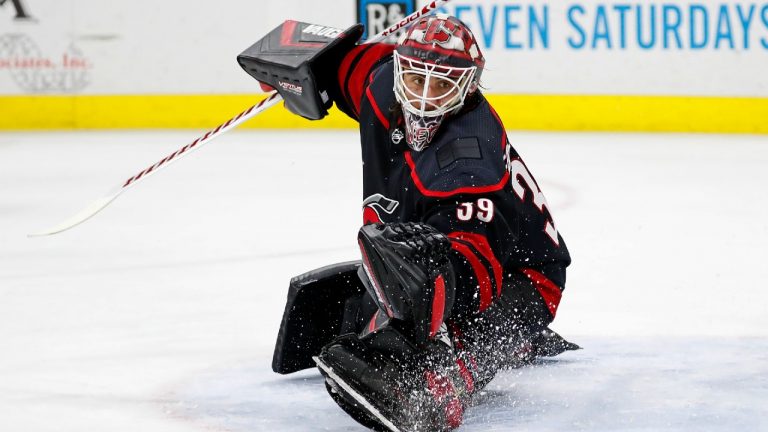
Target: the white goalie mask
(427, 93)
(437, 65)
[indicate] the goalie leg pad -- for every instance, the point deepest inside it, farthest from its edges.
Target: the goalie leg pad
(317, 310)
(411, 391)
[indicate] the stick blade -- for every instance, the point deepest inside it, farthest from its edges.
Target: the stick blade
(345, 387)
(80, 217)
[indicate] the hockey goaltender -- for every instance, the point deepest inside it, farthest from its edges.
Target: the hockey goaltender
(462, 268)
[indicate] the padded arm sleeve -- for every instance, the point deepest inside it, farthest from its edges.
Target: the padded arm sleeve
(481, 258)
(479, 249)
(354, 74)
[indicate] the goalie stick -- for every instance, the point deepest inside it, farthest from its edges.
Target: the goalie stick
(272, 99)
(336, 380)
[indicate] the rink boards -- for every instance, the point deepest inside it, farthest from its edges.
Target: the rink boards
(551, 65)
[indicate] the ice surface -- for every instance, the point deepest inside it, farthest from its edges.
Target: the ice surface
(160, 313)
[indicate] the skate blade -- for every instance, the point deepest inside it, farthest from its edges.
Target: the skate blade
(357, 396)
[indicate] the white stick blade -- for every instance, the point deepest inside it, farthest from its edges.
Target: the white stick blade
(354, 393)
(80, 217)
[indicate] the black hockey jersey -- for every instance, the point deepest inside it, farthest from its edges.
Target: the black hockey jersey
(469, 183)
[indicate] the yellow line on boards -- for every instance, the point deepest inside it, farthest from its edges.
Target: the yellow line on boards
(520, 112)
(633, 113)
(147, 111)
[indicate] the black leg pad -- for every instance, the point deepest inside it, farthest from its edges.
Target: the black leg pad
(314, 314)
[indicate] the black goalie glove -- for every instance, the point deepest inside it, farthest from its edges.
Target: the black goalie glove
(407, 272)
(300, 61)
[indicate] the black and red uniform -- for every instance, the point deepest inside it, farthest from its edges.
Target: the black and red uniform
(469, 183)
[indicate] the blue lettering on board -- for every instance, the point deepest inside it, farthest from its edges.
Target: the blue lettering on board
(582, 36)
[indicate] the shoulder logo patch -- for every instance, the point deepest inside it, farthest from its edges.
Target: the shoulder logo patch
(461, 148)
(397, 136)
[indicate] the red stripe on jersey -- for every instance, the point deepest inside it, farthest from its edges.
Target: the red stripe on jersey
(438, 306)
(548, 290)
(351, 84)
(483, 280)
(480, 242)
(382, 118)
(462, 190)
(349, 60)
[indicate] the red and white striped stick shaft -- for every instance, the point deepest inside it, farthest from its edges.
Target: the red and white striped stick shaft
(272, 99)
(232, 123)
(405, 22)
(105, 200)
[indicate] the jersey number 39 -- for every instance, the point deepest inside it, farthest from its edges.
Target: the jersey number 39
(482, 209)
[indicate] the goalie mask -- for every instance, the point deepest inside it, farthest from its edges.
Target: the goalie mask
(437, 65)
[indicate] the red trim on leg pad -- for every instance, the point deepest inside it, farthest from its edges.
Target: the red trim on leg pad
(442, 390)
(466, 375)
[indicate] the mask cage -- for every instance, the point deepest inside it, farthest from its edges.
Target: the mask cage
(459, 80)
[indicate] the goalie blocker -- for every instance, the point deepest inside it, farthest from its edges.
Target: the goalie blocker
(299, 60)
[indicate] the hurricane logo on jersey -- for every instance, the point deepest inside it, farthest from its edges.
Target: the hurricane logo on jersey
(374, 204)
